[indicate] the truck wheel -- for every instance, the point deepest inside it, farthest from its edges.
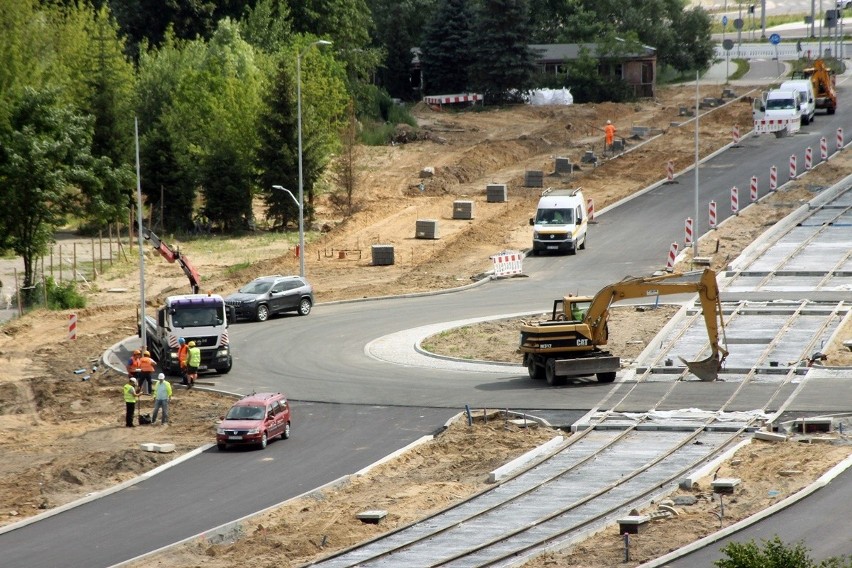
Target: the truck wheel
(606, 377)
(262, 313)
(535, 371)
(224, 370)
(585, 238)
(830, 110)
(550, 373)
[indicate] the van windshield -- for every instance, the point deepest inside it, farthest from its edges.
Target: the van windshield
(780, 104)
(554, 217)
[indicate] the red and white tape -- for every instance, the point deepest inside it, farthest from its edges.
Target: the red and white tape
(773, 178)
(793, 166)
(712, 214)
(687, 228)
(735, 200)
(72, 326)
(809, 158)
(753, 189)
(672, 257)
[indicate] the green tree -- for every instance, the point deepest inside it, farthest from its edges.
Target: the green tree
(446, 48)
(267, 27)
(774, 554)
(692, 45)
(503, 65)
(45, 165)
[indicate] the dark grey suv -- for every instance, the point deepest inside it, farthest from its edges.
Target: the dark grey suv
(268, 295)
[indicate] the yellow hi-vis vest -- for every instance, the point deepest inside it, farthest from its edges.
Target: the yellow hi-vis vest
(129, 393)
(194, 359)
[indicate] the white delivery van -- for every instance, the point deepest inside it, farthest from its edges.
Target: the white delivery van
(778, 112)
(560, 222)
(806, 90)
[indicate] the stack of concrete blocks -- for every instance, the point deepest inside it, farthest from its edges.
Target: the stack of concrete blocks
(589, 157)
(426, 229)
(564, 166)
(618, 145)
(684, 110)
(534, 178)
(382, 255)
(639, 132)
(496, 193)
(729, 94)
(462, 209)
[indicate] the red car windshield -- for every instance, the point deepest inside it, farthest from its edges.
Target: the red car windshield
(245, 413)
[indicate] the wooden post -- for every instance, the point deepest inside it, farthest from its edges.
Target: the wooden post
(60, 264)
(51, 261)
(94, 270)
(109, 238)
(74, 263)
(130, 231)
(18, 294)
(44, 289)
(101, 249)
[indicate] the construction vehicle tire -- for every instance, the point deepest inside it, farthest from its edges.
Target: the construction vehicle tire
(606, 377)
(536, 372)
(550, 373)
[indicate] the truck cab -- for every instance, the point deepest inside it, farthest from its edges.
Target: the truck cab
(561, 221)
(202, 318)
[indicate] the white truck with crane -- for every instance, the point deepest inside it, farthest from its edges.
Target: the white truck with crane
(569, 343)
(202, 318)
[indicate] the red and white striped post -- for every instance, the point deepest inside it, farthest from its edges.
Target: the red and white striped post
(809, 158)
(735, 134)
(670, 171)
(753, 189)
(773, 178)
(72, 326)
(839, 138)
(792, 166)
(687, 239)
(712, 214)
(672, 257)
(735, 200)
(590, 205)
(823, 148)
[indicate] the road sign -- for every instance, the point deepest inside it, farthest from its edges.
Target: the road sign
(728, 44)
(724, 20)
(775, 39)
(738, 23)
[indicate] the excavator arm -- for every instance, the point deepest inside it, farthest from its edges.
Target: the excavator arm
(708, 292)
(174, 255)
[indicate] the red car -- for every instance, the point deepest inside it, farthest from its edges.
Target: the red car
(255, 419)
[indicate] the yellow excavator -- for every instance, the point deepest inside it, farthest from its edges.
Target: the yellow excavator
(823, 79)
(569, 343)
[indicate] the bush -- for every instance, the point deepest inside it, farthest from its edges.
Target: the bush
(774, 554)
(59, 296)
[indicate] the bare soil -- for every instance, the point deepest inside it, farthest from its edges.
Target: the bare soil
(63, 429)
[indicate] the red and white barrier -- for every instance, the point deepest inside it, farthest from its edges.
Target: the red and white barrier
(449, 99)
(809, 158)
(72, 326)
(712, 214)
(590, 206)
(793, 166)
(735, 134)
(687, 228)
(672, 257)
(507, 263)
(773, 178)
(823, 149)
(735, 200)
(839, 138)
(670, 171)
(753, 189)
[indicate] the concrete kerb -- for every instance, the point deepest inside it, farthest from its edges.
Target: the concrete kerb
(824, 480)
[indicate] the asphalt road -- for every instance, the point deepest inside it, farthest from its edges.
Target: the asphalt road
(371, 408)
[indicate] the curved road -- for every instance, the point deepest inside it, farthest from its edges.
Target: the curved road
(377, 407)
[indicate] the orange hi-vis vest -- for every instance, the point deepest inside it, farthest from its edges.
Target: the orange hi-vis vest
(146, 364)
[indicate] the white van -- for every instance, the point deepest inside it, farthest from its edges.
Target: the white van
(560, 222)
(778, 112)
(806, 90)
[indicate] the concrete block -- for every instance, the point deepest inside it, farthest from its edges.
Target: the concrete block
(372, 516)
(462, 209)
(534, 178)
(426, 229)
(427, 172)
(564, 166)
(589, 157)
(165, 448)
(770, 436)
(382, 255)
(633, 524)
(496, 193)
(809, 425)
(148, 447)
(618, 145)
(725, 485)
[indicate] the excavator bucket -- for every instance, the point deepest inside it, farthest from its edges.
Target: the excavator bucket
(707, 369)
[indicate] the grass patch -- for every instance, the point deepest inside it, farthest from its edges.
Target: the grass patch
(235, 269)
(742, 67)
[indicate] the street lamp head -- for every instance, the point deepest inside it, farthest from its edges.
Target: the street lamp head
(322, 42)
(278, 187)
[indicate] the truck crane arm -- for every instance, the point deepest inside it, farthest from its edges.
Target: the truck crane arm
(174, 255)
(708, 292)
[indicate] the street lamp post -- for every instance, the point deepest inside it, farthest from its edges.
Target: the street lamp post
(299, 121)
(301, 233)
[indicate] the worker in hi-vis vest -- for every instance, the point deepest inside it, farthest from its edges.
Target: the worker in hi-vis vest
(193, 361)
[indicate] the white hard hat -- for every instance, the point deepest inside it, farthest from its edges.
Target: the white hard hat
(133, 380)
(609, 122)
(161, 376)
